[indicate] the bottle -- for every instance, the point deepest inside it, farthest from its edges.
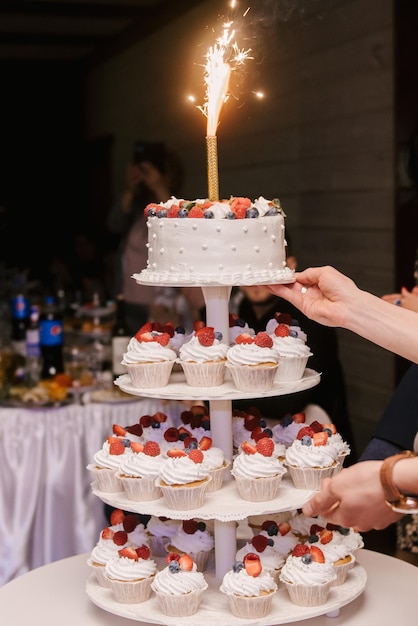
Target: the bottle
(33, 348)
(20, 321)
(51, 330)
(120, 338)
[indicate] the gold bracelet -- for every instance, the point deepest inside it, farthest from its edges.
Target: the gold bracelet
(398, 502)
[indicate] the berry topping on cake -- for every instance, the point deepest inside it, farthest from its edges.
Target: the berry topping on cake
(248, 448)
(130, 522)
(244, 338)
(107, 533)
(300, 549)
(282, 330)
(284, 528)
(315, 528)
(197, 324)
(320, 439)
(186, 563)
(171, 434)
(238, 566)
(330, 427)
(206, 336)
(299, 418)
(259, 542)
(135, 429)
(190, 526)
(129, 553)
(283, 318)
(263, 340)
(146, 421)
(270, 527)
(252, 564)
(136, 446)
(143, 552)
(316, 427)
(175, 452)
(120, 537)
(196, 455)
(306, 431)
(265, 446)
(205, 443)
(325, 536)
(116, 517)
(172, 556)
(317, 554)
(151, 448)
(116, 448)
(119, 431)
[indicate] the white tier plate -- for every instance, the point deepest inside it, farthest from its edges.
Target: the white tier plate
(177, 389)
(214, 609)
(224, 505)
(165, 279)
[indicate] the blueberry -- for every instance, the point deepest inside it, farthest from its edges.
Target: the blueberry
(240, 322)
(294, 322)
(208, 214)
(272, 530)
(201, 526)
(155, 425)
(343, 530)
(313, 538)
(287, 420)
(328, 431)
(206, 424)
(180, 330)
(162, 213)
(183, 436)
(251, 213)
(218, 335)
(152, 212)
(268, 432)
(270, 542)
(262, 423)
(307, 559)
(192, 445)
(238, 566)
(306, 441)
(183, 213)
(126, 443)
(272, 211)
(174, 567)
(230, 215)
(293, 333)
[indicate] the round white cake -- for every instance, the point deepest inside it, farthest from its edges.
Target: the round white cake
(235, 242)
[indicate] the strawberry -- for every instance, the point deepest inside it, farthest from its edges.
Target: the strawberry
(320, 439)
(316, 426)
(265, 446)
(283, 318)
(186, 417)
(196, 455)
(175, 452)
(317, 554)
(130, 522)
(163, 339)
(325, 536)
(107, 533)
(169, 329)
(119, 431)
(300, 549)
(173, 211)
(186, 563)
(330, 427)
(143, 552)
(306, 431)
(282, 330)
(171, 434)
(205, 443)
(137, 447)
(172, 556)
(156, 327)
(252, 564)
(196, 212)
(184, 431)
(116, 448)
(284, 528)
(232, 319)
(190, 526)
(188, 440)
(146, 421)
(120, 537)
(259, 542)
(240, 212)
(116, 517)
(251, 422)
(299, 418)
(145, 337)
(198, 324)
(244, 338)
(263, 340)
(248, 448)
(130, 553)
(135, 429)
(206, 336)
(151, 448)
(151, 205)
(146, 328)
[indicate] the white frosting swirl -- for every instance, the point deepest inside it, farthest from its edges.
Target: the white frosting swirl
(290, 347)
(106, 549)
(342, 446)
(181, 471)
(162, 528)
(194, 351)
(199, 540)
(286, 434)
(299, 573)
(104, 459)
(213, 458)
(251, 354)
(301, 525)
(282, 544)
(146, 352)
(125, 569)
(234, 331)
(270, 559)
(241, 584)
(256, 466)
(333, 550)
(300, 455)
(353, 541)
(179, 583)
(140, 465)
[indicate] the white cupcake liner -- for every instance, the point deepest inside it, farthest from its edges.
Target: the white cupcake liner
(253, 377)
(342, 571)
(291, 368)
(310, 477)
(181, 605)
(106, 479)
(140, 489)
(308, 595)
(217, 475)
(131, 592)
(258, 489)
(250, 607)
(99, 570)
(150, 375)
(209, 374)
(184, 497)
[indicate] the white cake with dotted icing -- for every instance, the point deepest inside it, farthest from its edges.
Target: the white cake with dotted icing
(234, 242)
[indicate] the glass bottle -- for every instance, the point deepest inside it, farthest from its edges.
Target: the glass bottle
(51, 339)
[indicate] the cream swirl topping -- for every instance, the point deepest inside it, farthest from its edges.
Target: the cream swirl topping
(179, 583)
(162, 527)
(104, 459)
(297, 572)
(146, 351)
(194, 351)
(181, 471)
(256, 466)
(269, 558)
(286, 434)
(199, 540)
(333, 550)
(241, 584)
(300, 455)
(251, 354)
(290, 347)
(213, 458)
(283, 544)
(125, 569)
(106, 549)
(140, 465)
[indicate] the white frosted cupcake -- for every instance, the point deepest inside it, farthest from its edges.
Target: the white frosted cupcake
(179, 586)
(257, 471)
(237, 326)
(309, 459)
(252, 362)
(286, 431)
(271, 561)
(106, 463)
(335, 552)
(249, 589)
(193, 538)
(107, 547)
(293, 354)
(183, 479)
(214, 460)
(307, 576)
(139, 471)
(203, 358)
(160, 530)
(130, 575)
(148, 359)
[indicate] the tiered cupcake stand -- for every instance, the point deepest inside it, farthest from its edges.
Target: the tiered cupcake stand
(224, 507)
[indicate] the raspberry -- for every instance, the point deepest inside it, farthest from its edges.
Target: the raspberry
(315, 528)
(259, 542)
(206, 336)
(116, 448)
(270, 526)
(186, 417)
(316, 427)
(196, 212)
(190, 526)
(171, 434)
(263, 340)
(172, 556)
(169, 329)
(282, 330)
(163, 339)
(232, 319)
(251, 422)
(196, 455)
(265, 446)
(130, 522)
(159, 417)
(146, 421)
(283, 318)
(151, 448)
(120, 537)
(300, 549)
(143, 552)
(244, 338)
(198, 324)
(305, 431)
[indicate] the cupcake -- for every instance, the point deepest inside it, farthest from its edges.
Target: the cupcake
(193, 538)
(130, 574)
(160, 530)
(237, 326)
(107, 462)
(351, 538)
(107, 547)
(286, 431)
(253, 362)
(293, 354)
(132, 523)
(335, 552)
(249, 589)
(214, 460)
(203, 358)
(257, 471)
(179, 586)
(335, 439)
(301, 524)
(261, 545)
(139, 471)
(148, 358)
(183, 479)
(309, 459)
(281, 535)
(307, 576)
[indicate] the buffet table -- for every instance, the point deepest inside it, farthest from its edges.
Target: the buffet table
(55, 594)
(47, 509)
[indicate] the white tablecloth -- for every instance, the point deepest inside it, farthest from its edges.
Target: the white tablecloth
(47, 509)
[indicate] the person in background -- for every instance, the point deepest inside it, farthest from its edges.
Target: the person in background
(356, 496)
(154, 175)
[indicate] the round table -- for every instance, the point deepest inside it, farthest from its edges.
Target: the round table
(55, 594)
